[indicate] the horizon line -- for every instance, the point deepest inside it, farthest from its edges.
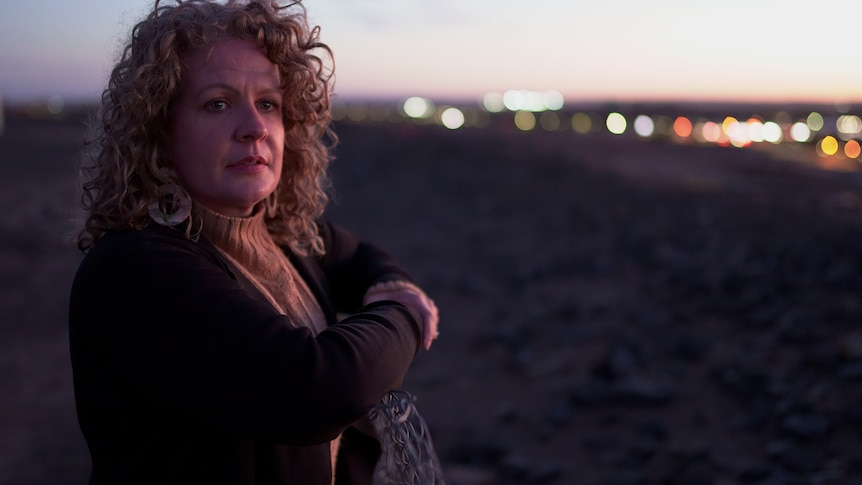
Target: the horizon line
(74, 101)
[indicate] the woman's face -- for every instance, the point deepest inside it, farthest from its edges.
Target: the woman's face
(226, 132)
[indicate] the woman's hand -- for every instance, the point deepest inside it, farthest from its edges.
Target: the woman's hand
(412, 297)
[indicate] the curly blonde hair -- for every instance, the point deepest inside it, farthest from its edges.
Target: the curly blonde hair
(124, 161)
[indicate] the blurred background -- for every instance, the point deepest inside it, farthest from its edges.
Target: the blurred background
(556, 65)
(587, 50)
(640, 221)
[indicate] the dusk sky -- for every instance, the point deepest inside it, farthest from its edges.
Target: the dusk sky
(739, 50)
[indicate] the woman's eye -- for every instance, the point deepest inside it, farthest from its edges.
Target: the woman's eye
(217, 105)
(268, 105)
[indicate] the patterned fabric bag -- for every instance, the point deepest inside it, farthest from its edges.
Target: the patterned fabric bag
(407, 454)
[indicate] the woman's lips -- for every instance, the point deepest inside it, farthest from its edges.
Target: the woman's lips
(251, 164)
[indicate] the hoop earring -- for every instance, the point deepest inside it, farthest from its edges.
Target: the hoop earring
(170, 197)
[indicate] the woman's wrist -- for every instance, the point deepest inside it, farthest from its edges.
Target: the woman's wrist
(392, 285)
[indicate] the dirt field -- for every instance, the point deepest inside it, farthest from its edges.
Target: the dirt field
(613, 311)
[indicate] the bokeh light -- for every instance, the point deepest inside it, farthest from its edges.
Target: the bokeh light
(711, 132)
(418, 107)
(554, 100)
(534, 101)
(755, 130)
(728, 123)
(493, 102)
(682, 127)
(616, 123)
(800, 132)
(357, 112)
(814, 121)
(848, 126)
(852, 149)
(836, 136)
(772, 132)
(452, 118)
(644, 126)
(829, 145)
(549, 121)
(55, 105)
(514, 100)
(525, 120)
(735, 132)
(519, 100)
(582, 123)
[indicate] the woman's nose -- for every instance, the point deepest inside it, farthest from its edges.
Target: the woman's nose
(252, 126)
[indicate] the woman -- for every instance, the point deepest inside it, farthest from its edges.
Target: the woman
(203, 330)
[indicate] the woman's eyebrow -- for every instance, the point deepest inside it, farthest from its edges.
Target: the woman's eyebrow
(217, 85)
(268, 90)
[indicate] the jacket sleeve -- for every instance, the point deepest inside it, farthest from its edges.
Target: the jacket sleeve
(151, 316)
(352, 266)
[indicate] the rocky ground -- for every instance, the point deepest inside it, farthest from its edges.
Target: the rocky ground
(613, 311)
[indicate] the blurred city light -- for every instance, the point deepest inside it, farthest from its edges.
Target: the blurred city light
(525, 120)
(524, 100)
(829, 145)
(682, 127)
(772, 132)
(554, 100)
(452, 118)
(755, 130)
(549, 121)
(852, 149)
(616, 123)
(711, 132)
(800, 132)
(728, 124)
(515, 100)
(418, 107)
(735, 132)
(834, 136)
(582, 123)
(644, 126)
(815, 121)
(55, 105)
(848, 126)
(493, 102)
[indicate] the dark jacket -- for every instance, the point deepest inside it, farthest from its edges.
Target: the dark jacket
(183, 375)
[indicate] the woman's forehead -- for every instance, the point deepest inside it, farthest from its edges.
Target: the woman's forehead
(228, 59)
(228, 53)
